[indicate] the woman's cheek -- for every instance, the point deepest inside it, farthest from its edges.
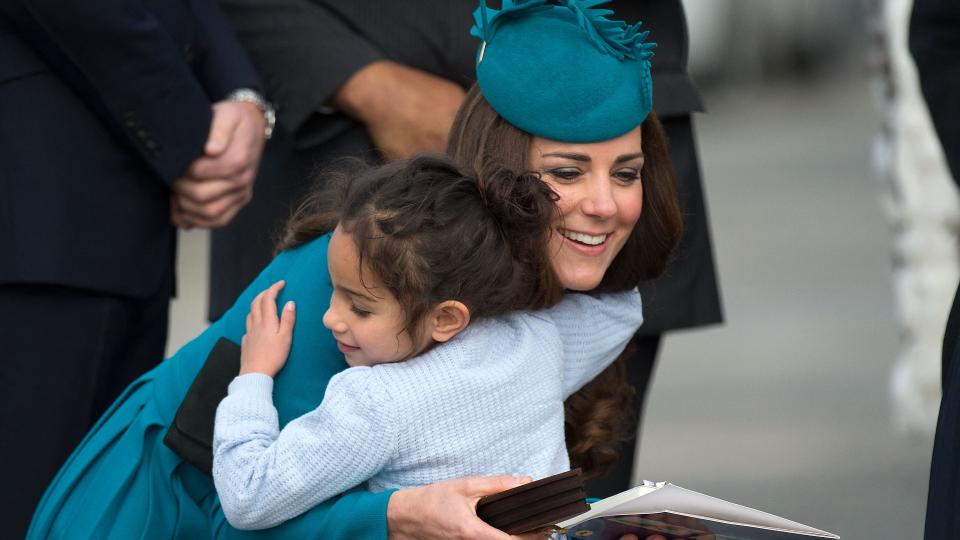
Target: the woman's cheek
(629, 207)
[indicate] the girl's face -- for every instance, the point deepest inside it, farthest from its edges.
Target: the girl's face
(365, 318)
(601, 197)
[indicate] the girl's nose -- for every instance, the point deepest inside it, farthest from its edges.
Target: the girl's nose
(331, 321)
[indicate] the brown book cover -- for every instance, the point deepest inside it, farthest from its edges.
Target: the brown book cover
(535, 505)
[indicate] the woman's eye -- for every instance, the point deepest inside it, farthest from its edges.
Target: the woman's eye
(627, 176)
(565, 173)
(360, 312)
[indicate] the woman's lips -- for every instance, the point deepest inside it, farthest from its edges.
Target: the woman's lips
(345, 349)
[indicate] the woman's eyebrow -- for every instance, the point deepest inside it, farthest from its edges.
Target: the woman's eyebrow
(586, 159)
(628, 157)
(569, 155)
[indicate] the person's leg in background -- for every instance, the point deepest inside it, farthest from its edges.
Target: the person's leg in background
(67, 354)
(942, 519)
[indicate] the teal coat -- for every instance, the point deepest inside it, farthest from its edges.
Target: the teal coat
(122, 482)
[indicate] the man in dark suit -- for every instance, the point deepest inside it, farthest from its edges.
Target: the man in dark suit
(935, 46)
(349, 78)
(116, 118)
(375, 79)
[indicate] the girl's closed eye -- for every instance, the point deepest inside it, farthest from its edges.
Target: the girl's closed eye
(359, 311)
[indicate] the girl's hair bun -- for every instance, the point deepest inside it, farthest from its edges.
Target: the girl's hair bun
(522, 203)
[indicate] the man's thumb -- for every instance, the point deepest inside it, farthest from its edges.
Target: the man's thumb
(224, 122)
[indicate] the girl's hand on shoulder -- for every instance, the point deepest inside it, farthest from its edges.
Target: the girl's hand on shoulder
(266, 345)
(448, 510)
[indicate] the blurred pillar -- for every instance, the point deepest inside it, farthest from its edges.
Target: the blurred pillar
(921, 203)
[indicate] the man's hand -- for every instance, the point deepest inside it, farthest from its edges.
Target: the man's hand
(266, 345)
(406, 110)
(220, 182)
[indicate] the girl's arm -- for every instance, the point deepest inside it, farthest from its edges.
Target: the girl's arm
(438, 511)
(594, 330)
(265, 476)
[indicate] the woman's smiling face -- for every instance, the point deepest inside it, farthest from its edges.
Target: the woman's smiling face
(601, 196)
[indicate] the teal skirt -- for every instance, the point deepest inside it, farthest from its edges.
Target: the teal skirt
(122, 482)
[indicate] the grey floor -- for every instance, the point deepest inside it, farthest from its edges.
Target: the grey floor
(785, 407)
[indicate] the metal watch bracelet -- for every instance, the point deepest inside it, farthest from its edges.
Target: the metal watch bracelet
(248, 95)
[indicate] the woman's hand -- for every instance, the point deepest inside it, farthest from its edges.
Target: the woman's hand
(448, 510)
(266, 345)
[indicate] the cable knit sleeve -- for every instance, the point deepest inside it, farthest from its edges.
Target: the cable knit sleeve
(594, 330)
(265, 476)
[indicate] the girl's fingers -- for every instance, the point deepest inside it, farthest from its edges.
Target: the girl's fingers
(255, 310)
(265, 304)
(288, 317)
(249, 322)
(269, 304)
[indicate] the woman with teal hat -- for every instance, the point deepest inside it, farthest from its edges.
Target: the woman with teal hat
(566, 92)
(575, 100)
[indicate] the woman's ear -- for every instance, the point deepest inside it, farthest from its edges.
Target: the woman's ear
(448, 318)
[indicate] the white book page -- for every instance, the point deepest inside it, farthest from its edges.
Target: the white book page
(670, 498)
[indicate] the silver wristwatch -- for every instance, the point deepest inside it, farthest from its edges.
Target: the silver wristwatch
(249, 95)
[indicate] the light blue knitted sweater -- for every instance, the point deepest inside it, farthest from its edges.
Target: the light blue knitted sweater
(489, 401)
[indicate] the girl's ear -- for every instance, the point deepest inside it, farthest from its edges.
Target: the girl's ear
(448, 318)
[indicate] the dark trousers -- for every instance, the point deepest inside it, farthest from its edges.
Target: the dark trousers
(639, 374)
(66, 355)
(943, 496)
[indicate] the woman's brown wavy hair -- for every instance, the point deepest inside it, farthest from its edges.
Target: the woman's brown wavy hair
(595, 420)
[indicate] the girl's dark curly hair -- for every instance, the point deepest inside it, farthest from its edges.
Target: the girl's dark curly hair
(595, 418)
(431, 232)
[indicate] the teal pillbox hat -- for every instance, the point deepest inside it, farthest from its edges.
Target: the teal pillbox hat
(561, 70)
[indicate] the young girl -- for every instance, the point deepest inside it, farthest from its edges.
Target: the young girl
(434, 278)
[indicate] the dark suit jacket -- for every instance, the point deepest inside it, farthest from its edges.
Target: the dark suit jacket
(935, 45)
(305, 49)
(102, 105)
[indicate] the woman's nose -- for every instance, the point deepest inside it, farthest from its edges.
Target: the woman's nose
(598, 201)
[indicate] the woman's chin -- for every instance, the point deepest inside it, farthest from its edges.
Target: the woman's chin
(580, 282)
(577, 268)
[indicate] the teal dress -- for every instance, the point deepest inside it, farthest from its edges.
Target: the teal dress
(123, 482)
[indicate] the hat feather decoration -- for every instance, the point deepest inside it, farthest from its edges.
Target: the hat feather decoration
(562, 69)
(616, 38)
